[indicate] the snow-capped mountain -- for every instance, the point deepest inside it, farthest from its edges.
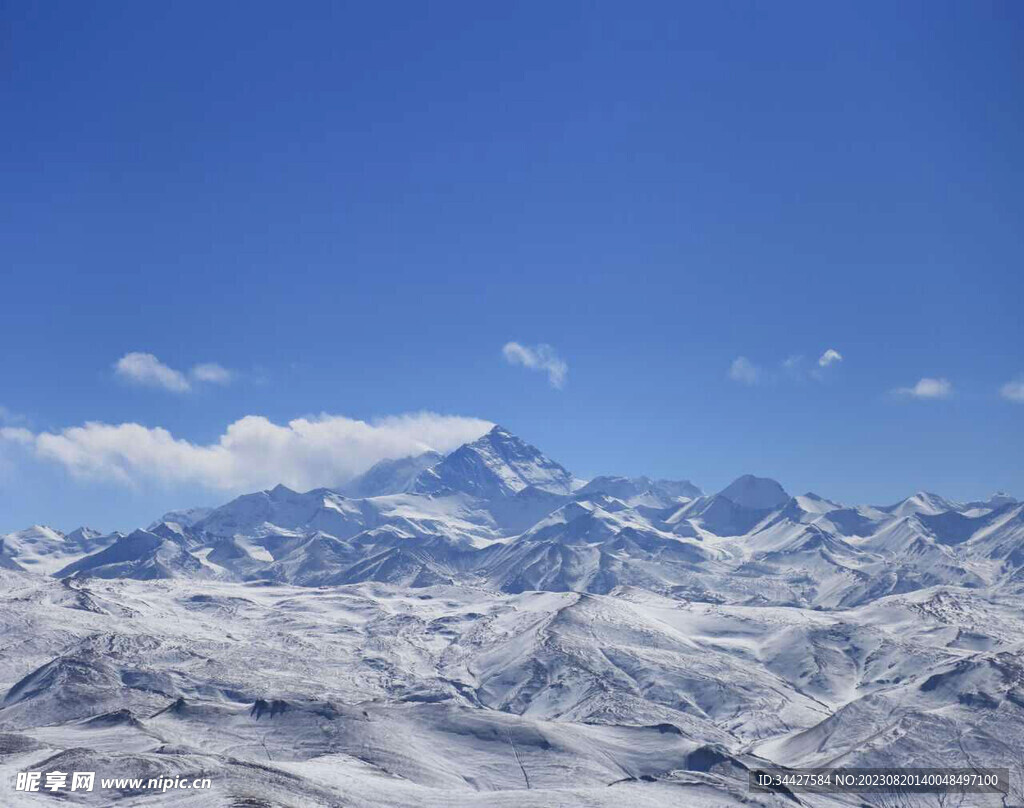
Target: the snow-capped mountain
(141, 554)
(496, 465)
(755, 493)
(483, 628)
(922, 503)
(391, 476)
(498, 511)
(643, 491)
(44, 549)
(185, 517)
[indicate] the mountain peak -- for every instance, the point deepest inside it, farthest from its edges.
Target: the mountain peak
(758, 493)
(499, 436)
(86, 540)
(497, 464)
(642, 490)
(38, 530)
(390, 476)
(83, 533)
(922, 502)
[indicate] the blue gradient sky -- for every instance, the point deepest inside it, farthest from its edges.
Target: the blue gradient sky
(355, 206)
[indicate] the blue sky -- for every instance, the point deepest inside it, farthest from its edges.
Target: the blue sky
(352, 208)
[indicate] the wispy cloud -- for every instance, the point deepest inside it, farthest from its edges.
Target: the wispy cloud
(1013, 391)
(13, 440)
(744, 371)
(213, 373)
(829, 357)
(537, 357)
(253, 452)
(793, 368)
(9, 417)
(147, 370)
(927, 388)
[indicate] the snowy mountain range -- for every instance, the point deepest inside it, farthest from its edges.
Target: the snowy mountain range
(484, 627)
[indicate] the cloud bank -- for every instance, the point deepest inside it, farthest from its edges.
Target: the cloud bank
(253, 452)
(537, 357)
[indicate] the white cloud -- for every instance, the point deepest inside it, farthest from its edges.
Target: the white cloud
(537, 357)
(252, 453)
(792, 369)
(927, 388)
(16, 434)
(830, 356)
(147, 370)
(212, 372)
(1013, 391)
(744, 371)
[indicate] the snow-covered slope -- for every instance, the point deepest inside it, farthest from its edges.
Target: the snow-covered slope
(733, 511)
(142, 555)
(382, 695)
(281, 507)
